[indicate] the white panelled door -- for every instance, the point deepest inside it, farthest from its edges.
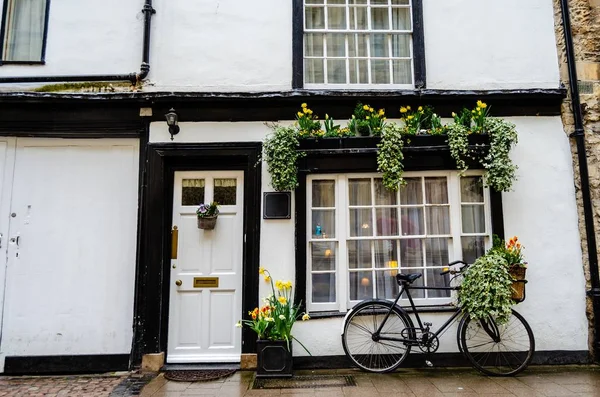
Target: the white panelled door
(202, 318)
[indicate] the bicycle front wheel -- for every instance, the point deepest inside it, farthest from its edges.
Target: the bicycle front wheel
(497, 349)
(369, 352)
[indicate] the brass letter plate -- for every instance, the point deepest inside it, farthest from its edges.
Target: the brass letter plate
(206, 282)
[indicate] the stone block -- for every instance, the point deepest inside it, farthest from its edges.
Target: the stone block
(153, 362)
(248, 361)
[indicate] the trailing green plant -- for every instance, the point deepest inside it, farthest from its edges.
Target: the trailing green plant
(280, 151)
(486, 289)
(459, 145)
(500, 170)
(390, 156)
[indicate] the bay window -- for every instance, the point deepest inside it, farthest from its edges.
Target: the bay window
(360, 235)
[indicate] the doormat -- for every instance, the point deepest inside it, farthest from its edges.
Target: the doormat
(304, 382)
(201, 375)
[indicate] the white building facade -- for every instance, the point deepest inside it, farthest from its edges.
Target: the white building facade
(98, 197)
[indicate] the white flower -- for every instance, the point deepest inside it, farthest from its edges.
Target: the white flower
(238, 324)
(281, 317)
(305, 317)
(269, 319)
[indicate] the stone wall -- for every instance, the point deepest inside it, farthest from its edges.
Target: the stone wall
(585, 23)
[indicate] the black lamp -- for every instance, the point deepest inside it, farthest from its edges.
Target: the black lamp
(172, 119)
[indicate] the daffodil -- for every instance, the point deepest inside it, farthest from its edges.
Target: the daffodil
(365, 107)
(303, 105)
(279, 284)
(326, 116)
(408, 107)
(381, 112)
(288, 285)
(403, 109)
(420, 108)
(368, 117)
(305, 317)
(269, 319)
(261, 270)
(267, 278)
(300, 114)
(281, 317)
(238, 324)
(282, 300)
(453, 114)
(305, 110)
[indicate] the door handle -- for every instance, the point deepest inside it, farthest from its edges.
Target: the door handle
(178, 283)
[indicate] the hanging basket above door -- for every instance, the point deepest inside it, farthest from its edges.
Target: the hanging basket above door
(207, 223)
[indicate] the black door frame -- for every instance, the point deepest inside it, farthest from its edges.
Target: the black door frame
(153, 275)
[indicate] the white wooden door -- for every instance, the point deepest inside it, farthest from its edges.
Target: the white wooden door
(202, 319)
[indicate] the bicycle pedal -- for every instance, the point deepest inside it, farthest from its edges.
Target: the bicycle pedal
(428, 363)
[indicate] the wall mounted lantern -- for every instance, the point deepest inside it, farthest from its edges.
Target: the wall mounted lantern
(172, 120)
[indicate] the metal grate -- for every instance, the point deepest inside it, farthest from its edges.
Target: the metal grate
(304, 382)
(585, 87)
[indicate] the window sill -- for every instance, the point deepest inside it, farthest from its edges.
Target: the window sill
(447, 308)
(22, 63)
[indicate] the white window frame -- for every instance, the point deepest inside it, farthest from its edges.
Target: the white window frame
(342, 302)
(325, 31)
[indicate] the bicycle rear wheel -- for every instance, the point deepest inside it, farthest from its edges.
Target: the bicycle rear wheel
(497, 349)
(370, 353)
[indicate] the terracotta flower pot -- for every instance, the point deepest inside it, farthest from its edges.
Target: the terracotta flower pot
(517, 272)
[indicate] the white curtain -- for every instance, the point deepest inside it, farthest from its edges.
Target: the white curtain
(24, 30)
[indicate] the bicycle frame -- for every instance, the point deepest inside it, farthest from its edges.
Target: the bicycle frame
(406, 288)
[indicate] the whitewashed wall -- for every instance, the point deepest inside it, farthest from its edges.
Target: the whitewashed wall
(231, 45)
(89, 37)
(541, 211)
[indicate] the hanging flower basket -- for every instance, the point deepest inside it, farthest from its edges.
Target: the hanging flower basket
(207, 223)
(517, 272)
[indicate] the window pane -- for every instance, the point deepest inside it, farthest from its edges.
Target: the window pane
(380, 72)
(323, 193)
(336, 17)
(313, 44)
(411, 253)
(402, 71)
(336, 1)
(315, 18)
(323, 287)
(336, 45)
(473, 219)
(471, 190)
(323, 256)
(360, 191)
(383, 196)
(379, 46)
(379, 2)
(323, 223)
(412, 221)
(359, 72)
(401, 18)
(400, 45)
(357, 1)
(361, 285)
(434, 279)
(387, 221)
(225, 191)
(314, 1)
(399, 2)
(336, 71)
(361, 223)
(412, 192)
(314, 71)
(438, 220)
(357, 45)
(472, 248)
(192, 191)
(436, 252)
(25, 23)
(387, 286)
(386, 254)
(436, 190)
(359, 255)
(358, 18)
(380, 19)
(420, 282)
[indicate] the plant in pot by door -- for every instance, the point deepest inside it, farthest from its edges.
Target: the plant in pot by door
(273, 324)
(207, 215)
(512, 252)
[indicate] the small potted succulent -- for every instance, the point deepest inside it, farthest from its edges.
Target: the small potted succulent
(207, 215)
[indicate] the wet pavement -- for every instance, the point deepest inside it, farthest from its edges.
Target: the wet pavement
(431, 382)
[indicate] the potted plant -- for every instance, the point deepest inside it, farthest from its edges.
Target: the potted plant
(512, 252)
(207, 215)
(366, 121)
(273, 324)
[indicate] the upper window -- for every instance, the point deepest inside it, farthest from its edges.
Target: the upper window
(358, 44)
(360, 234)
(24, 25)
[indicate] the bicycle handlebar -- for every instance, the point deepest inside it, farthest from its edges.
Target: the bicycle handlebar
(448, 270)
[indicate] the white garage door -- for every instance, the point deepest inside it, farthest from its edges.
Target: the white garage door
(71, 244)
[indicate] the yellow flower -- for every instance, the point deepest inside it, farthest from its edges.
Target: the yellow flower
(453, 114)
(303, 105)
(309, 111)
(305, 110)
(368, 117)
(282, 300)
(408, 107)
(305, 317)
(326, 116)
(403, 109)
(383, 118)
(366, 107)
(381, 112)
(420, 108)
(300, 114)
(288, 285)
(261, 270)
(267, 278)
(371, 110)
(410, 117)
(279, 284)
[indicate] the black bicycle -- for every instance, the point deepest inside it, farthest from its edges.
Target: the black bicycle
(378, 334)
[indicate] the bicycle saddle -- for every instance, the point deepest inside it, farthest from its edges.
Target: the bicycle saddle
(409, 278)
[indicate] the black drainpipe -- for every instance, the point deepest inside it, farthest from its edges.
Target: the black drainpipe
(579, 136)
(131, 77)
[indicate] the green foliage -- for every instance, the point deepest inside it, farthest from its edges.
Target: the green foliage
(486, 289)
(511, 251)
(281, 154)
(463, 118)
(335, 131)
(390, 157)
(459, 145)
(366, 121)
(500, 170)
(308, 126)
